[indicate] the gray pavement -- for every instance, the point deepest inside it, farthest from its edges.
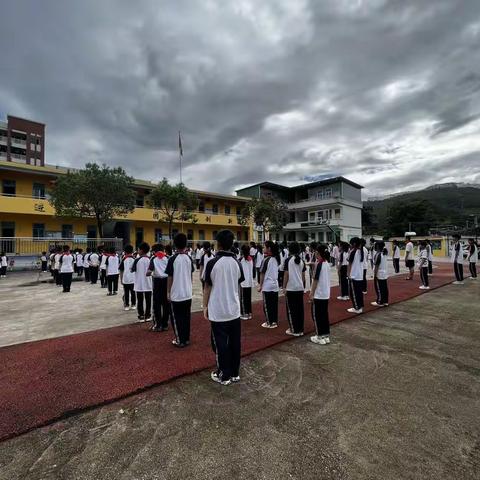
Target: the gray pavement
(395, 396)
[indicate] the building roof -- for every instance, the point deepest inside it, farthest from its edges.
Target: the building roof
(52, 171)
(319, 183)
(25, 119)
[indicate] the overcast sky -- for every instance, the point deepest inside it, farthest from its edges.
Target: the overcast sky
(383, 92)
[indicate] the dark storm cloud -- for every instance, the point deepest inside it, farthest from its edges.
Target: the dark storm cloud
(275, 90)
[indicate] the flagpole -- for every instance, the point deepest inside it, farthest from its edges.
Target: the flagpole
(180, 155)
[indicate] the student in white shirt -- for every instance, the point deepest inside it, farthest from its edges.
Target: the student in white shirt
(472, 258)
(365, 266)
(93, 260)
(294, 286)
(268, 284)
(423, 264)
(79, 262)
(44, 260)
(380, 274)
(319, 296)
(222, 308)
(66, 268)
(198, 255)
(283, 256)
(342, 266)
(179, 290)
(246, 286)
(51, 263)
(143, 284)
(253, 255)
(56, 267)
(161, 308)
(112, 263)
(430, 256)
(457, 259)
(128, 279)
(396, 256)
(258, 261)
(86, 265)
(3, 265)
(103, 267)
(356, 261)
(409, 260)
(207, 255)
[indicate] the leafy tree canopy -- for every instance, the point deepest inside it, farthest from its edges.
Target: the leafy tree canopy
(269, 213)
(98, 192)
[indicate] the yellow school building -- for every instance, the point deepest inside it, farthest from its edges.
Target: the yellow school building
(28, 222)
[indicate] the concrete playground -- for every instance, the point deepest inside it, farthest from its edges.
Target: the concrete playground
(395, 396)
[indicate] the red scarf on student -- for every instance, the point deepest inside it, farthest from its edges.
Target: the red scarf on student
(160, 255)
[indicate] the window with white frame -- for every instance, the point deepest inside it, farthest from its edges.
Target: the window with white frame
(328, 193)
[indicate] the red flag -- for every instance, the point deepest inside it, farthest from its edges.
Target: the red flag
(180, 148)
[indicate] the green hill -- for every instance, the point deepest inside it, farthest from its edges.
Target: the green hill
(444, 207)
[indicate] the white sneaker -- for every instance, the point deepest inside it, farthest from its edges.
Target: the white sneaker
(318, 340)
(214, 376)
(423, 287)
(127, 309)
(274, 325)
(340, 298)
(327, 339)
(346, 298)
(265, 325)
(244, 317)
(235, 379)
(456, 282)
(375, 304)
(354, 310)
(472, 278)
(289, 332)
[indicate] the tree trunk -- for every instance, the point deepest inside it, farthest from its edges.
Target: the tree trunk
(99, 228)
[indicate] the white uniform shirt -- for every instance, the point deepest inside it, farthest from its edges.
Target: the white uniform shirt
(253, 252)
(396, 252)
(57, 261)
(472, 253)
(85, 261)
(4, 261)
(430, 253)
(356, 271)
(224, 274)
(322, 275)
(93, 259)
(365, 258)
(66, 263)
(247, 267)
(270, 271)
(457, 253)
(79, 260)
(103, 265)
(343, 259)
(141, 282)
(112, 263)
(158, 264)
(335, 252)
(259, 260)
(380, 259)
(204, 262)
(126, 264)
(295, 277)
(180, 268)
(409, 251)
(422, 258)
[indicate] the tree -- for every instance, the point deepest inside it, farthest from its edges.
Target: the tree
(102, 193)
(173, 203)
(369, 220)
(268, 213)
(421, 214)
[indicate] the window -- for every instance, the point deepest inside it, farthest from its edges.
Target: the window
(320, 215)
(189, 234)
(215, 208)
(138, 236)
(311, 216)
(239, 235)
(214, 235)
(320, 194)
(38, 190)
(227, 209)
(329, 236)
(140, 201)
(174, 232)
(91, 231)
(32, 147)
(9, 187)
(158, 235)
(38, 230)
(239, 211)
(245, 235)
(328, 193)
(67, 231)
(337, 213)
(201, 234)
(201, 206)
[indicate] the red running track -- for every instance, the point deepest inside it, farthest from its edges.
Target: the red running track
(46, 380)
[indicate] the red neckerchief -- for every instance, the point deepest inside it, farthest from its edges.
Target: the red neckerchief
(249, 259)
(160, 255)
(128, 255)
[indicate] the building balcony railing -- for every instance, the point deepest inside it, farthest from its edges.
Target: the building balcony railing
(23, 204)
(311, 203)
(18, 141)
(3, 140)
(305, 225)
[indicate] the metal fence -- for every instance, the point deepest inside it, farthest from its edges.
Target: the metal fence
(27, 246)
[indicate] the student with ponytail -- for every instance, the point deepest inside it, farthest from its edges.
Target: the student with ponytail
(342, 266)
(246, 262)
(355, 275)
(380, 274)
(294, 285)
(319, 296)
(268, 284)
